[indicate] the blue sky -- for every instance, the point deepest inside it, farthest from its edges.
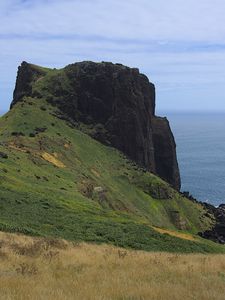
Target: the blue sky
(179, 44)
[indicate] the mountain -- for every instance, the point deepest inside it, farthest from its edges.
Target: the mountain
(79, 170)
(116, 103)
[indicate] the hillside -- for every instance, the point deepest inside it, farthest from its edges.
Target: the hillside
(56, 180)
(37, 268)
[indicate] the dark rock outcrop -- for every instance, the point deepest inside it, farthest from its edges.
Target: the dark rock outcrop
(117, 103)
(26, 75)
(217, 233)
(3, 155)
(165, 151)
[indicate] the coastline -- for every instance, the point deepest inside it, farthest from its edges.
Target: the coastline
(217, 232)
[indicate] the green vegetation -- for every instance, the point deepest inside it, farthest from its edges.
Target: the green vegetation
(57, 181)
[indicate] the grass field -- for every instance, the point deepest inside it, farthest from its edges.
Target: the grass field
(37, 268)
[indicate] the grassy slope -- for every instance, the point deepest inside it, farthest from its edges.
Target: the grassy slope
(34, 268)
(46, 187)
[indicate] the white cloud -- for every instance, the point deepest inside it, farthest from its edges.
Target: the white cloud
(134, 19)
(179, 44)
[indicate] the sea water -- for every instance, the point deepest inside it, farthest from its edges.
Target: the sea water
(200, 140)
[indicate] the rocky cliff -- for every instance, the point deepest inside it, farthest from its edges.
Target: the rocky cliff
(115, 103)
(217, 233)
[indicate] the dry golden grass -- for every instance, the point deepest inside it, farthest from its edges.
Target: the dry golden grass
(14, 146)
(181, 235)
(96, 173)
(35, 268)
(53, 159)
(67, 146)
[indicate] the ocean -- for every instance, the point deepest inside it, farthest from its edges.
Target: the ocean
(200, 139)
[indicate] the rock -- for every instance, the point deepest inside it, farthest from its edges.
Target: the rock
(165, 152)
(3, 155)
(17, 133)
(217, 233)
(156, 190)
(99, 189)
(40, 129)
(27, 73)
(178, 220)
(100, 193)
(115, 100)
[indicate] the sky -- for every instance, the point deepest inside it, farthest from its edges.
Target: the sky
(178, 44)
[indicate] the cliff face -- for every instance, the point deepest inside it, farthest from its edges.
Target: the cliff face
(25, 77)
(165, 151)
(117, 102)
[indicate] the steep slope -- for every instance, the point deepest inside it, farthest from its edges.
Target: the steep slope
(115, 103)
(57, 181)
